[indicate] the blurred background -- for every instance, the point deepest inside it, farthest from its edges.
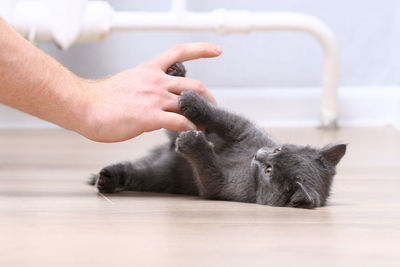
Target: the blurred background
(272, 77)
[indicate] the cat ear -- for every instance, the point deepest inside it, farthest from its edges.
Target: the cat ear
(334, 152)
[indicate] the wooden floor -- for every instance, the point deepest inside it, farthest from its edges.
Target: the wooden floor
(50, 217)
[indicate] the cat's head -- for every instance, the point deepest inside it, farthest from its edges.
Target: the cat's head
(295, 176)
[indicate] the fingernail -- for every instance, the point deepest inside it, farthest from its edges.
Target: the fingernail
(218, 49)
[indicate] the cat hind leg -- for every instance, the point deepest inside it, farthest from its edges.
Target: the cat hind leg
(110, 179)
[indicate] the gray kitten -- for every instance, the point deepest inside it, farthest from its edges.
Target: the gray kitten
(231, 160)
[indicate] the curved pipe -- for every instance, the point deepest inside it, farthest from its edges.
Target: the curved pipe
(226, 22)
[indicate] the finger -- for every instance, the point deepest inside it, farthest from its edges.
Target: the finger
(175, 122)
(184, 52)
(171, 104)
(180, 84)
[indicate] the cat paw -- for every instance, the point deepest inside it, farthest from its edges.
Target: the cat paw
(177, 70)
(194, 107)
(108, 180)
(192, 141)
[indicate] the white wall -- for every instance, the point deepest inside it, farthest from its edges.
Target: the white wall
(368, 34)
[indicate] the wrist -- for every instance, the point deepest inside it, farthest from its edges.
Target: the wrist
(79, 111)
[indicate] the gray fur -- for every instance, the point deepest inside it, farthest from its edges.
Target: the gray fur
(231, 160)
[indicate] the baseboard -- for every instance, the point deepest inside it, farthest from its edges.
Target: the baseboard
(299, 107)
(281, 107)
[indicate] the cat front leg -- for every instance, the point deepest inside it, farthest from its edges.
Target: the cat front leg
(228, 126)
(199, 152)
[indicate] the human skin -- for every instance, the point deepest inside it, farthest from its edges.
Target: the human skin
(113, 109)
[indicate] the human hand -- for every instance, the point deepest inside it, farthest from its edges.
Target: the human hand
(144, 98)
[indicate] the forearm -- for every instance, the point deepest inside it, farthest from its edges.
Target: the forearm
(35, 83)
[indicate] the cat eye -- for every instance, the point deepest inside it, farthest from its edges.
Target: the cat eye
(277, 150)
(268, 170)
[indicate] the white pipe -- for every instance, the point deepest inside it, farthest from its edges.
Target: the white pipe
(226, 22)
(99, 20)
